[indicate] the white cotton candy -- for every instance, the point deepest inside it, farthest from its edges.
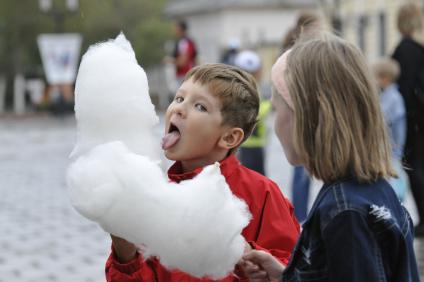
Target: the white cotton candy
(194, 226)
(112, 100)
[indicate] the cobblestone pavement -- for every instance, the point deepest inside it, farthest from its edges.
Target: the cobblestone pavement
(42, 238)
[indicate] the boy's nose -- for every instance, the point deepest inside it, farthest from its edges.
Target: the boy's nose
(180, 109)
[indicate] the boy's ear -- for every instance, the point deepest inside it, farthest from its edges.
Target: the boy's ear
(231, 138)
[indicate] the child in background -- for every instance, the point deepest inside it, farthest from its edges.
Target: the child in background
(252, 151)
(386, 72)
(329, 120)
(213, 112)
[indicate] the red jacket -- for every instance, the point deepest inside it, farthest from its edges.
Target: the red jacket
(185, 46)
(273, 227)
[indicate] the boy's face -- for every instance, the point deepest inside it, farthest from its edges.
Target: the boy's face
(383, 81)
(193, 125)
(178, 31)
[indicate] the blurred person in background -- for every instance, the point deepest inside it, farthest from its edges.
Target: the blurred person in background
(409, 53)
(185, 52)
(252, 151)
(306, 23)
(386, 72)
(61, 99)
(229, 55)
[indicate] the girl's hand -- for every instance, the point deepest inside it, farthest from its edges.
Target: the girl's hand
(260, 266)
(253, 272)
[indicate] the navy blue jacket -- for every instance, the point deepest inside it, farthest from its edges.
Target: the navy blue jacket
(355, 232)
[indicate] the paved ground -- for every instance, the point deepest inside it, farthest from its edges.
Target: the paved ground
(41, 237)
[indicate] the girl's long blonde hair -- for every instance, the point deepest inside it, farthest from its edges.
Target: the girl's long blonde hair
(339, 129)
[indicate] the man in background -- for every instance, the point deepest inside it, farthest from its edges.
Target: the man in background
(185, 52)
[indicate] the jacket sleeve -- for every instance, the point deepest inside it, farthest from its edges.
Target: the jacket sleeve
(278, 228)
(351, 249)
(137, 270)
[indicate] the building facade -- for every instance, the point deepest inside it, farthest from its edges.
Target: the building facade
(256, 25)
(260, 25)
(371, 25)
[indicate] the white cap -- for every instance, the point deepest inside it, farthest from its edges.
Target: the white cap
(248, 61)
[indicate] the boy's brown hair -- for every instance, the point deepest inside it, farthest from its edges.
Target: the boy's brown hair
(386, 67)
(236, 90)
(339, 129)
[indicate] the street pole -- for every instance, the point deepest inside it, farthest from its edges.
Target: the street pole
(19, 95)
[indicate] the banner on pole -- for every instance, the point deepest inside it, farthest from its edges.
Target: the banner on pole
(60, 54)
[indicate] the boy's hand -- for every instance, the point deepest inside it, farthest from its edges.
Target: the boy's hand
(260, 266)
(124, 250)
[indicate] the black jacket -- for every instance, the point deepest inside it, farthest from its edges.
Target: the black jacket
(410, 56)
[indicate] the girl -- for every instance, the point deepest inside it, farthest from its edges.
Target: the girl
(329, 120)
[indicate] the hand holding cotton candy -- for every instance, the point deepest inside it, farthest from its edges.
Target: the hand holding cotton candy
(193, 226)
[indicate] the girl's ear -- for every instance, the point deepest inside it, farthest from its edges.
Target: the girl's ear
(231, 138)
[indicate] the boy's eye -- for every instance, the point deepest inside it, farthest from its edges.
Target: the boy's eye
(179, 99)
(200, 107)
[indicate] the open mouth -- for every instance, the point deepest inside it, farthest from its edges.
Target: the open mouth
(172, 137)
(172, 128)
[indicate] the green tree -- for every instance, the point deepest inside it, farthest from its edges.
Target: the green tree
(97, 20)
(141, 21)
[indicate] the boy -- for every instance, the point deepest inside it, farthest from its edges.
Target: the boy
(213, 112)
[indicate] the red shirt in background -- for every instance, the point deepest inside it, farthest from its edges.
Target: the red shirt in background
(185, 46)
(273, 227)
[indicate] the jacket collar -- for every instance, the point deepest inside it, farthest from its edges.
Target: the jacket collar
(227, 166)
(322, 192)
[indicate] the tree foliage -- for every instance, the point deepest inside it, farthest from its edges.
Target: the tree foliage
(97, 20)
(141, 21)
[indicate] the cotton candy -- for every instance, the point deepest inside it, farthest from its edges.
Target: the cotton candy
(115, 179)
(112, 100)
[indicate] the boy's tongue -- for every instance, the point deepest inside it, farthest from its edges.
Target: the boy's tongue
(170, 139)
